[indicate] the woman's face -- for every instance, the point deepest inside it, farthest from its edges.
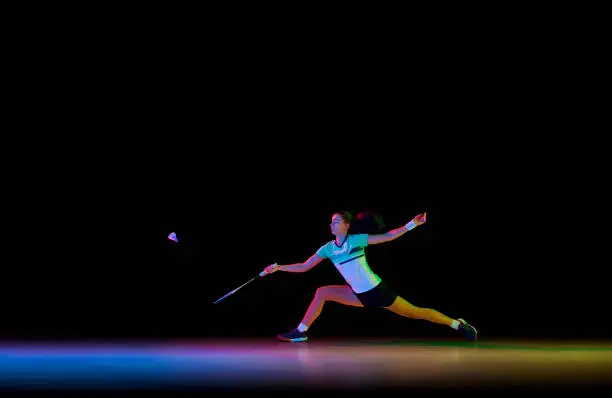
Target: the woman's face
(338, 226)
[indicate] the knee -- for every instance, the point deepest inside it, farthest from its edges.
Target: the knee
(413, 312)
(321, 294)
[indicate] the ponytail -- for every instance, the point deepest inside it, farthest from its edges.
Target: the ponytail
(367, 222)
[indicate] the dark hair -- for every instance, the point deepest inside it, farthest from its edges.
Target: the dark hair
(346, 216)
(367, 222)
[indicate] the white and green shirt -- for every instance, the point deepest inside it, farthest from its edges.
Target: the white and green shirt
(350, 261)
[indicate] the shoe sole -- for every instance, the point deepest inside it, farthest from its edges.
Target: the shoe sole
(298, 340)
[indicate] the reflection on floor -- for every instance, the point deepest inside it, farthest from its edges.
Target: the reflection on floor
(343, 365)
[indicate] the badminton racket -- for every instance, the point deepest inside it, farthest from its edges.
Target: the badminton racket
(262, 273)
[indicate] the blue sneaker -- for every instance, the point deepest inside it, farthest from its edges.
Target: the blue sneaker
(294, 336)
(468, 330)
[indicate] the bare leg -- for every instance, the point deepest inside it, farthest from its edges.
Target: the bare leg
(338, 293)
(404, 308)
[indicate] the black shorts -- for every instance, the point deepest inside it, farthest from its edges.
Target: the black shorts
(380, 296)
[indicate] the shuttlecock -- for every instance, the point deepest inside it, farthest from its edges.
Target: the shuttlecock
(173, 237)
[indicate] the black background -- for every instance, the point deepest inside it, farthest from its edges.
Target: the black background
(96, 260)
(246, 151)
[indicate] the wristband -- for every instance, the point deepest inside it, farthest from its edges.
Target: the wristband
(411, 225)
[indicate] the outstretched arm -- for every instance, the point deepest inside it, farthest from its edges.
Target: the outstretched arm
(297, 267)
(396, 233)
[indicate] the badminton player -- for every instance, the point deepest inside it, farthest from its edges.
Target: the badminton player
(364, 288)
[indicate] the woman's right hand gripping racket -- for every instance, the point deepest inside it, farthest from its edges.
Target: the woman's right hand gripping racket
(270, 269)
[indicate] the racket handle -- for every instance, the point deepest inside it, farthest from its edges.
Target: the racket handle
(262, 273)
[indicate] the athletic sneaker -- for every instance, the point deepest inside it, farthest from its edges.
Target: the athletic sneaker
(468, 330)
(293, 336)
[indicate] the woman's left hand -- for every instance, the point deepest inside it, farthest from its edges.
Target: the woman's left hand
(420, 219)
